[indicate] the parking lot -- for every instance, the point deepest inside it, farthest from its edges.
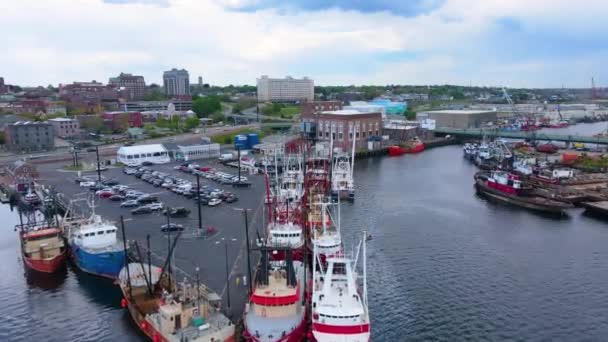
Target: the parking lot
(194, 249)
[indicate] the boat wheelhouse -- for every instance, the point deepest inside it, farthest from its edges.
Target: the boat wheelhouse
(42, 246)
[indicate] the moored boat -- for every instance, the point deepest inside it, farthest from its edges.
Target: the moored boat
(277, 307)
(339, 305)
(508, 188)
(94, 246)
(43, 247)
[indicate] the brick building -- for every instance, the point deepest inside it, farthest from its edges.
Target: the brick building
(65, 127)
(120, 121)
(91, 96)
(307, 109)
(134, 86)
(29, 136)
(341, 124)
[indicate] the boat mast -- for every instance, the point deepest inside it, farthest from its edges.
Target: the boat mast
(124, 243)
(364, 269)
(352, 159)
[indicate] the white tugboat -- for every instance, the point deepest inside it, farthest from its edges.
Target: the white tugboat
(339, 309)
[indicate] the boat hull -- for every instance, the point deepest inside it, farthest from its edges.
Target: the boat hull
(50, 265)
(296, 335)
(104, 264)
(520, 201)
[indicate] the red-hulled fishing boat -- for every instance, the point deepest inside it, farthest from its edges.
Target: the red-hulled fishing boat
(43, 247)
(412, 146)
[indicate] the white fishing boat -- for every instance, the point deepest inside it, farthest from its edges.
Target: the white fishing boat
(339, 303)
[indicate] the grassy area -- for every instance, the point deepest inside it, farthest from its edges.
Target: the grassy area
(587, 162)
(281, 110)
(228, 138)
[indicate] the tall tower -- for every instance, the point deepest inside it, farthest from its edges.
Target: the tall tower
(593, 90)
(200, 82)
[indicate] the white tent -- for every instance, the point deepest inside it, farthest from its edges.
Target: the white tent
(136, 155)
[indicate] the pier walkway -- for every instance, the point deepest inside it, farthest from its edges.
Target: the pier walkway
(528, 135)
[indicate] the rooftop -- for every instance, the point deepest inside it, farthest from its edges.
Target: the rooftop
(30, 123)
(62, 119)
(459, 111)
(142, 149)
(347, 112)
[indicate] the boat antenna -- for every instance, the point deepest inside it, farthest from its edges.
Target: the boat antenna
(143, 269)
(124, 243)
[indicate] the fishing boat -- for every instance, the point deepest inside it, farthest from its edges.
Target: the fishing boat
(469, 151)
(413, 145)
(325, 236)
(339, 307)
(342, 182)
(547, 148)
(94, 246)
(508, 188)
(277, 307)
(42, 246)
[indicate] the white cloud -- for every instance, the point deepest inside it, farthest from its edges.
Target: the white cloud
(66, 40)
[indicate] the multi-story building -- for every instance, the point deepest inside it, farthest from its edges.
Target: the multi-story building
(308, 109)
(176, 83)
(28, 136)
(134, 86)
(459, 118)
(89, 95)
(65, 127)
(343, 126)
(120, 121)
(141, 106)
(286, 89)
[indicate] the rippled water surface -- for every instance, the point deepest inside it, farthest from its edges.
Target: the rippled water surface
(444, 265)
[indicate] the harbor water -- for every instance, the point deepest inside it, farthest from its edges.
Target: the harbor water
(443, 265)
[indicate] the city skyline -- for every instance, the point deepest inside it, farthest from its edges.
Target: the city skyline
(545, 44)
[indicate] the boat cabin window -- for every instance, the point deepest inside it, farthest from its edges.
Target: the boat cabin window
(110, 231)
(101, 232)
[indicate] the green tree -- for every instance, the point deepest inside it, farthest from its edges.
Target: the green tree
(191, 122)
(217, 117)
(205, 106)
(162, 122)
(410, 114)
(174, 124)
(2, 138)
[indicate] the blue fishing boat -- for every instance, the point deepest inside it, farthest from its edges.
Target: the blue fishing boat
(95, 248)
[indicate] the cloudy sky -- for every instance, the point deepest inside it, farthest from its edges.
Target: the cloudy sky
(517, 43)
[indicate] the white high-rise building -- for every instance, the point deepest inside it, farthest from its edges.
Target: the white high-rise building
(285, 89)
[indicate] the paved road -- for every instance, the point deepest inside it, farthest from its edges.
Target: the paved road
(207, 254)
(106, 150)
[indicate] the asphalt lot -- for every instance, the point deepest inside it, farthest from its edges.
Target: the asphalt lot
(192, 251)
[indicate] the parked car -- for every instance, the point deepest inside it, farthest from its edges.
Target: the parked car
(87, 184)
(120, 188)
(157, 182)
(214, 201)
(102, 168)
(155, 206)
(97, 186)
(145, 199)
(117, 198)
(110, 182)
(231, 199)
(204, 200)
(177, 212)
(104, 193)
(82, 179)
(129, 203)
(141, 210)
(129, 171)
(138, 174)
(171, 227)
(147, 163)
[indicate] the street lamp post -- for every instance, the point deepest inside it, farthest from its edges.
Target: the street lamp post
(227, 276)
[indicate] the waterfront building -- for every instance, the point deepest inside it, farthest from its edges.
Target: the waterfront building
(65, 127)
(134, 86)
(29, 136)
(176, 82)
(459, 118)
(339, 125)
(286, 89)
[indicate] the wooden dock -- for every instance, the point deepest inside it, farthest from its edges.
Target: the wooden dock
(600, 208)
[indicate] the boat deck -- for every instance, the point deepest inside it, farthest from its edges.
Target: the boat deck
(600, 207)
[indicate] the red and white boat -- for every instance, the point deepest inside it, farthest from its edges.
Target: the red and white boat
(43, 247)
(277, 307)
(339, 307)
(325, 233)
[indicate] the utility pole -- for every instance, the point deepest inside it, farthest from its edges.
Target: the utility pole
(198, 291)
(198, 199)
(98, 165)
(248, 248)
(227, 277)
